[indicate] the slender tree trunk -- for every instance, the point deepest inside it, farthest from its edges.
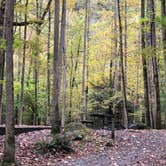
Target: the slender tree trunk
(38, 31)
(136, 104)
(155, 66)
(71, 89)
(149, 65)
(18, 70)
(125, 116)
(125, 42)
(87, 63)
(63, 54)
(9, 151)
(29, 72)
(23, 69)
(55, 103)
(48, 68)
(19, 53)
(163, 14)
(145, 71)
(115, 77)
(2, 58)
(116, 73)
(84, 109)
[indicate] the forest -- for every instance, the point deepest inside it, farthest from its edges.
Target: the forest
(82, 82)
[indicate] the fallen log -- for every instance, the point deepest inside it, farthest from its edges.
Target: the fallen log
(24, 129)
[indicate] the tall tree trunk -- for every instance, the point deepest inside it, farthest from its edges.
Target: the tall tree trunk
(48, 68)
(84, 109)
(55, 103)
(115, 77)
(163, 14)
(18, 70)
(136, 103)
(149, 65)
(116, 73)
(2, 56)
(155, 65)
(87, 63)
(63, 54)
(9, 151)
(125, 116)
(38, 31)
(125, 42)
(23, 69)
(144, 63)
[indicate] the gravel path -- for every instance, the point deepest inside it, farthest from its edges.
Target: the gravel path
(144, 148)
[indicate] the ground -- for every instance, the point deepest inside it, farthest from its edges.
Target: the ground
(131, 148)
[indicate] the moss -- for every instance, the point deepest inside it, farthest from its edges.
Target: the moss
(76, 130)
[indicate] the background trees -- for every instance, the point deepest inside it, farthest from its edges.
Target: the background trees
(95, 48)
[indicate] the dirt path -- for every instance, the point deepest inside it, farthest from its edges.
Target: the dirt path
(141, 148)
(131, 148)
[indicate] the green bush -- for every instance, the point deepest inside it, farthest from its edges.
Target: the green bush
(59, 143)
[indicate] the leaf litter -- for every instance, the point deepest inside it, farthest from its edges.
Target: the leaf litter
(130, 148)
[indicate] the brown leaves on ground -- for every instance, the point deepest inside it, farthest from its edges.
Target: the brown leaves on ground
(142, 148)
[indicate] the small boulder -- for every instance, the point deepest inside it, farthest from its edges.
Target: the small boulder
(138, 126)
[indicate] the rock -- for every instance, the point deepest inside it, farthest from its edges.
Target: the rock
(109, 144)
(78, 138)
(138, 126)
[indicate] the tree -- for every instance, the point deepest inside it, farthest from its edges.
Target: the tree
(125, 40)
(2, 55)
(62, 53)
(144, 63)
(84, 109)
(23, 69)
(125, 116)
(163, 14)
(48, 68)
(157, 120)
(9, 151)
(55, 102)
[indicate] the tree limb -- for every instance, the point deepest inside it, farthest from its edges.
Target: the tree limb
(40, 22)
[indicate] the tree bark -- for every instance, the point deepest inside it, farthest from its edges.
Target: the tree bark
(62, 54)
(23, 69)
(48, 69)
(38, 31)
(144, 63)
(116, 73)
(155, 65)
(84, 109)
(55, 103)
(125, 42)
(9, 151)
(125, 116)
(2, 57)
(163, 14)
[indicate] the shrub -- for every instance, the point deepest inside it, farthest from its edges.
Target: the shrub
(59, 143)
